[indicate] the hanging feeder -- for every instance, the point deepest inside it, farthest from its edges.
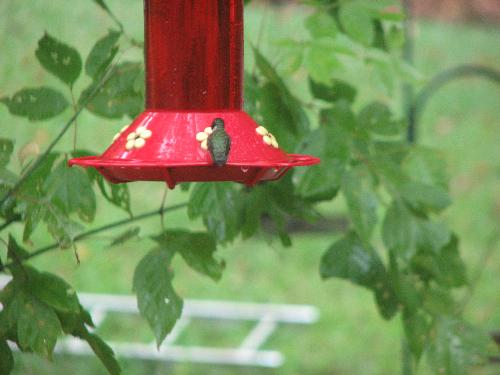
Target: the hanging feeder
(194, 75)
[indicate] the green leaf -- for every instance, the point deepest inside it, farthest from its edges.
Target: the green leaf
(399, 230)
(451, 270)
(350, 259)
(377, 117)
(116, 194)
(102, 54)
(283, 112)
(197, 250)
(104, 353)
(322, 182)
(321, 24)
(424, 197)
(156, 298)
(70, 189)
(416, 327)
(34, 214)
(6, 149)
(119, 96)
(217, 204)
(53, 291)
(261, 202)
(427, 166)
(432, 235)
(251, 93)
(439, 301)
(36, 104)
(356, 19)
(321, 61)
(334, 91)
(362, 202)
(6, 358)
(61, 60)
(456, 346)
(16, 254)
(62, 229)
(37, 325)
(126, 236)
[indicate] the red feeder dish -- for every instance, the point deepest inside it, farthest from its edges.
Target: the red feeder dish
(194, 74)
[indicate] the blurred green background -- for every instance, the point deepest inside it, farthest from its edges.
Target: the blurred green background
(463, 120)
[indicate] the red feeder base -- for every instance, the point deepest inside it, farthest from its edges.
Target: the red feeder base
(169, 146)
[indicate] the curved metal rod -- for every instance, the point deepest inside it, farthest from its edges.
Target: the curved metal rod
(440, 80)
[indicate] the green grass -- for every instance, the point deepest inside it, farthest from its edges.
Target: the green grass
(350, 338)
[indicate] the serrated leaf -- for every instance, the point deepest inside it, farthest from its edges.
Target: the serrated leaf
(456, 346)
(126, 236)
(333, 91)
(34, 214)
(36, 104)
(321, 24)
(432, 235)
(399, 230)
(424, 197)
(217, 204)
(251, 93)
(104, 353)
(37, 325)
(53, 291)
(350, 259)
(377, 118)
(6, 149)
(356, 19)
(60, 59)
(62, 228)
(119, 96)
(156, 298)
(416, 327)
(439, 301)
(197, 250)
(427, 166)
(293, 118)
(321, 61)
(16, 254)
(70, 189)
(102, 54)
(362, 202)
(6, 358)
(451, 270)
(322, 182)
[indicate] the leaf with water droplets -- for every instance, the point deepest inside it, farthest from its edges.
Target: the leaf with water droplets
(59, 59)
(36, 104)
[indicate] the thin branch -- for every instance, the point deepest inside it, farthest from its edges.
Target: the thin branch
(104, 228)
(75, 108)
(56, 140)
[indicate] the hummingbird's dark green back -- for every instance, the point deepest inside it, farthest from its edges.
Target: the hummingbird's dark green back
(219, 145)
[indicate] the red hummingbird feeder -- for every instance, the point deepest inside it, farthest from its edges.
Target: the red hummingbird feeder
(194, 74)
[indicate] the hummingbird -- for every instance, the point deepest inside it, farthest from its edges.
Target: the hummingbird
(219, 143)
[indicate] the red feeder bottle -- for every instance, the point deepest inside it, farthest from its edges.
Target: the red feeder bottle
(194, 74)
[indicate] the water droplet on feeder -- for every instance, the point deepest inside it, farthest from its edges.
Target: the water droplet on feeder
(244, 170)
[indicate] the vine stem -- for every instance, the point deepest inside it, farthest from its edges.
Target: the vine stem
(56, 140)
(104, 228)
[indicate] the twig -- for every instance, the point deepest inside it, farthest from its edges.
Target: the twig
(104, 228)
